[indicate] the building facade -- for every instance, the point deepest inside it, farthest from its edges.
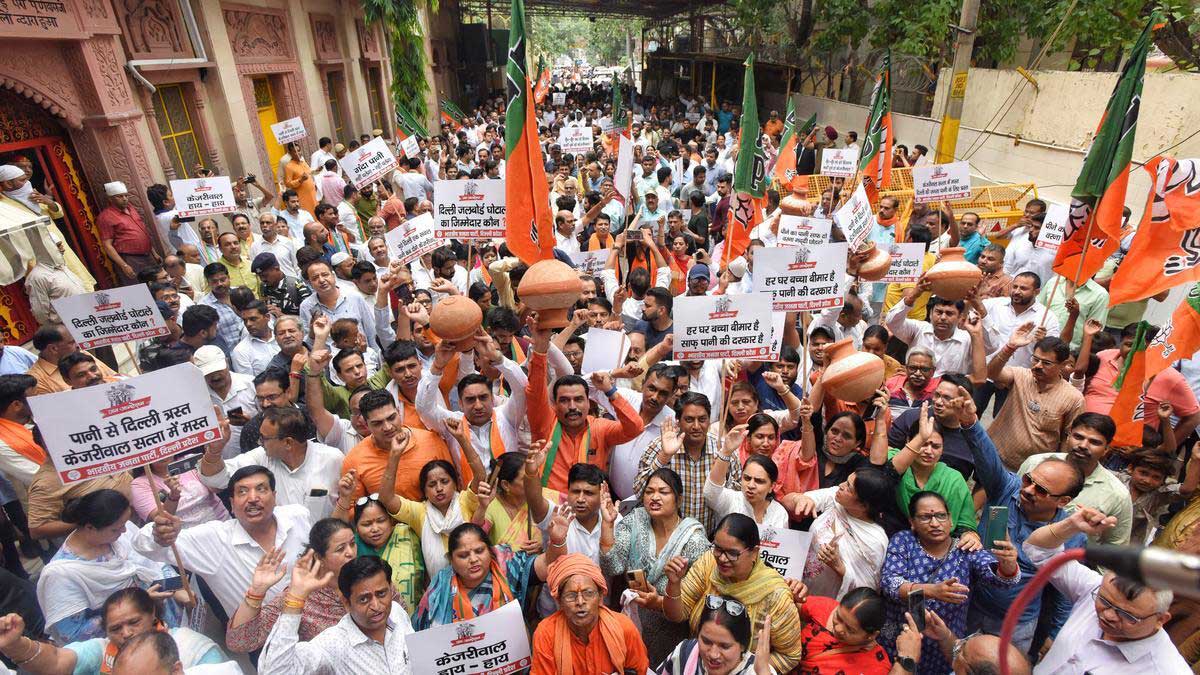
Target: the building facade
(143, 91)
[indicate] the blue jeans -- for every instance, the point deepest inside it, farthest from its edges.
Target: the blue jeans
(979, 622)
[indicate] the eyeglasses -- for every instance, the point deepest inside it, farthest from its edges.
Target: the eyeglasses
(732, 607)
(1042, 490)
(1042, 362)
(362, 501)
(958, 646)
(1121, 614)
(729, 554)
(920, 369)
(927, 518)
(588, 595)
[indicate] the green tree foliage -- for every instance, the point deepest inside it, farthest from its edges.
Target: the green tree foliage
(406, 44)
(602, 40)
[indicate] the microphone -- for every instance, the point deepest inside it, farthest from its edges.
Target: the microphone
(1155, 567)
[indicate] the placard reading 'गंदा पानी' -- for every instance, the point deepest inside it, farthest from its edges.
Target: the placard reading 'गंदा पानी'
(469, 209)
(111, 316)
(801, 278)
(723, 326)
(495, 643)
(201, 196)
(116, 426)
(412, 239)
(370, 162)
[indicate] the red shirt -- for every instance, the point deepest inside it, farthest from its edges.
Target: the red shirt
(126, 230)
(392, 212)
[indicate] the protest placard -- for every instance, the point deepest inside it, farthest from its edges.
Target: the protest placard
(841, 162)
(692, 117)
(941, 182)
(606, 126)
(201, 196)
(778, 319)
(289, 130)
(469, 209)
(784, 550)
(606, 350)
(495, 643)
(370, 162)
(412, 239)
(111, 316)
(723, 326)
(801, 278)
(590, 262)
(116, 426)
(803, 231)
(855, 217)
(575, 140)
(1054, 227)
(906, 263)
(410, 147)
(558, 98)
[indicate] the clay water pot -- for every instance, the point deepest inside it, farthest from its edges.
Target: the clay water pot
(876, 266)
(550, 288)
(796, 203)
(953, 277)
(852, 375)
(456, 319)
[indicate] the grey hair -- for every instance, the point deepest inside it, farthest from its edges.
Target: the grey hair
(1132, 589)
(372, 219)
(920, 351)
(995, 248)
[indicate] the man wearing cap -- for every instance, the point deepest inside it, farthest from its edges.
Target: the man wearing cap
(47, 281)
(282, 247)
(16, 190)
(233, 392)
(123, 234)
(343, 263)
(279, 289)
(698, 279)
(237, 267)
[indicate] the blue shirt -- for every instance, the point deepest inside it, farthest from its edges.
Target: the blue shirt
(769, 399)
(1003, 488)
(724, 117)
(15, 360)
(974, 245)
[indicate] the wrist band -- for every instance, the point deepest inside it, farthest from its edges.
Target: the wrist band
(294, 375)
(611, 392)
(723, 458)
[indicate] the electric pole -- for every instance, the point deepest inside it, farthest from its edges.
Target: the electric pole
(952, 111)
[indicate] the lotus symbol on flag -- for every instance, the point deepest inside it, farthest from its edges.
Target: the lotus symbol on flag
(120, 394)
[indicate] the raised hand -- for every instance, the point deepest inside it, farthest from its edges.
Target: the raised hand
(400, 441)
(925, 427)
(269, 570)
(832, 557)
(308, 575)
(734, 438)
(1091, 522)
(805, 507)
(607, 508)
(965, 409)
(675, 569)
(536, 459)
(602, 381)
(762, 650)
(174, 489)
(672, 440)
(483, 491)
(883, 398)
(346, 485)
(321, 327)
(12, 627)
(444, 286)
(560, 523)
(166, 528)
(1092, 327)
(318, 361)
(1165, 411)
(775, 381)
(1022, 336)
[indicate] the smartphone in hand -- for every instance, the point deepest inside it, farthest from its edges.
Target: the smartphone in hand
(916, 607)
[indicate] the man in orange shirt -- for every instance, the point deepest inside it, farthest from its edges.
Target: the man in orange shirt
(571, 434)
(369, 458)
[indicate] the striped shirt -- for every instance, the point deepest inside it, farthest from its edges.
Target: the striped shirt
(693, 473)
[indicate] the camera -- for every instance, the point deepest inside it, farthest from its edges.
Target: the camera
(249, 178)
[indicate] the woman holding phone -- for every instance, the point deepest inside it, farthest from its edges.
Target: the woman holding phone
(928, 560)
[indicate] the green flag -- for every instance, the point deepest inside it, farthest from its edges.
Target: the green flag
(620, 110)
(875, 162)
(453, 111)
(750, 173)
(408, 123)
(807, 127)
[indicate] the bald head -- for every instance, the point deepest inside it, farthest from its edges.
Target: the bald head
(314, 234)
(981, 656)
(376, 226)
(565, 222)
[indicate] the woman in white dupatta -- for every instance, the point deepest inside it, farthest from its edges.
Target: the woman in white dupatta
(96, 560)
(850, 534)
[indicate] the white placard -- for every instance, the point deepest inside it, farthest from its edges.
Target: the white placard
(723, 326)
(410, 147)
(606, 350)
(202, 196)
(116, 426)
(370, 162)
(495, 643)
(289, 130)
(575, 140)
(111, 316)
(606, 126)
(855, 217)
(941, 182)
(785, 550)
(558, 98)
(801, 278)
(906, 263)
(778, 319)
(1054, 227)
(692, 117)
(803, 231)
(590, 262)
(469, 209)
(413, 239)
(841, 162)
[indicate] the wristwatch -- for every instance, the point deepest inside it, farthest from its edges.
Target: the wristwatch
(907, 663)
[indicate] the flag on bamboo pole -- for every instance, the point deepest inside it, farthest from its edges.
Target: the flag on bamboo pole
(529, 228)
(543, 81)
(1128, 410)
(749, 175)
(408, 124)
(622, 130)
(1178, 338)
(875, 163)
(785, 164)
(1166, 249)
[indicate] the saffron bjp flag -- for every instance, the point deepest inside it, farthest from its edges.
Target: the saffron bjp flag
(543, 82)
(875, 162)
(785, 163)
(1179, 336)
(749, 175)
(1166, 249)
(529, 225)
(1129, 409)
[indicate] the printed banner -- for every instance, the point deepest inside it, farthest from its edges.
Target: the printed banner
(801, 278)
(855, 217)
(723, 326)
(111, 316)
(590, 262)
(575, 140)
(803, 231)
(412, 239)
(785, 550)
(410, 147)
(1054, 227)
(941, 182)
(906, 263)
(201, 196)
(469, 209)
(841, 162)
(289, 130)
(495, 643)
(558, 98)
(116, 426)
(368, 163)
(692, 117)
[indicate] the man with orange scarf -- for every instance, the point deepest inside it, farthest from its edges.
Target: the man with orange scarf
(584, 637)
